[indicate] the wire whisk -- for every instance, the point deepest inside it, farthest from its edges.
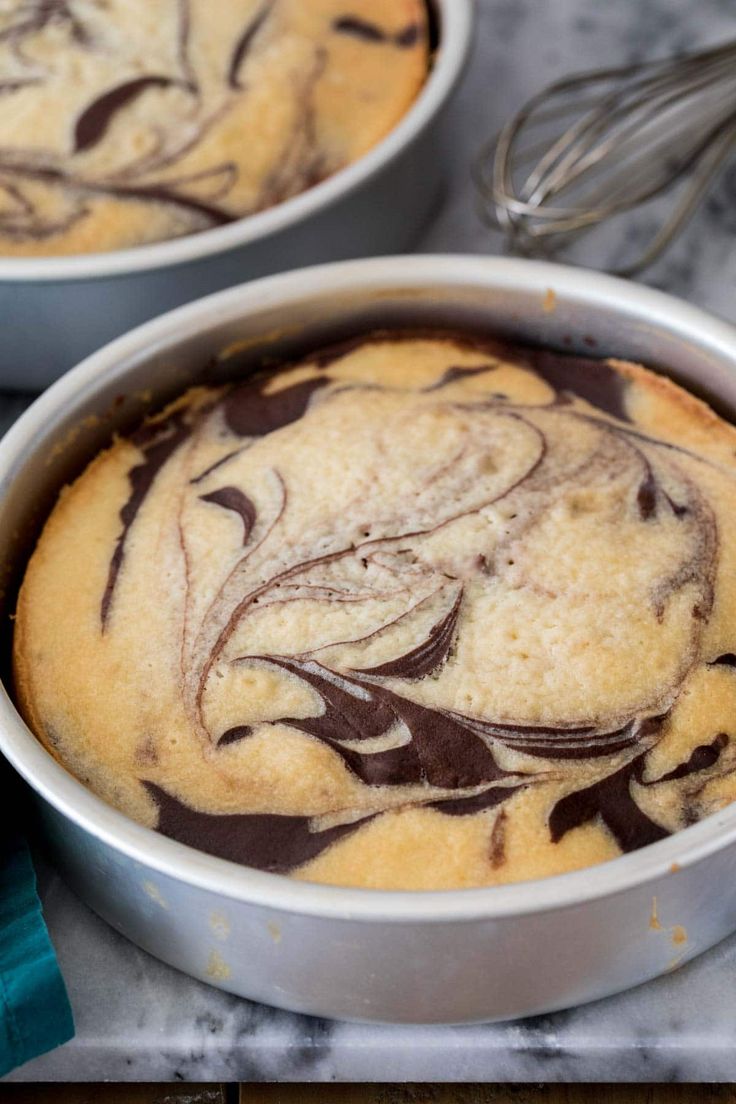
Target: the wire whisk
(600, 143)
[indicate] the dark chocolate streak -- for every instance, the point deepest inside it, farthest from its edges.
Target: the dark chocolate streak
(497, 850)
(235, 735)
(611, 801)
(409, 36)
(251, 412)
(571, 742)
(702, 758)
(158, 441)
(359, 28)
(232, 498)
(442, 751)
(213, 467)
(185, 29)
(427, 656)
(453, 374)
(370, 32)
(244, 43)
(646, 497)
(728, 659)
(157, 193)
(476, 803)
(593, 380)
(8, 86)
(96, 118)
(267, 841)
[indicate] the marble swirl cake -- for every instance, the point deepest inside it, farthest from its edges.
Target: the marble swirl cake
(132, 121)
(421, 611)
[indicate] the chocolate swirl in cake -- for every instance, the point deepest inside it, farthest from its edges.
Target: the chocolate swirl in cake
(131, 122)
(477, 581)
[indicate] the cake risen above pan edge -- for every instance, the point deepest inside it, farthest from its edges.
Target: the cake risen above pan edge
(419, 611)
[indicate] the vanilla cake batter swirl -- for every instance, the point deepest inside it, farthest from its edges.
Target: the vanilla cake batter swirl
(131, 121)
(420, 611)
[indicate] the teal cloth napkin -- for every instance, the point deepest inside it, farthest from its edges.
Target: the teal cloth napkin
(35, 1015)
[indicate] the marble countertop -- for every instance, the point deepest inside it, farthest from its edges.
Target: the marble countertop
(140, 1020)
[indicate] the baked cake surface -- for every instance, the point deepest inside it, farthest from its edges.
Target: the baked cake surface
(132, 121)
(417, 612)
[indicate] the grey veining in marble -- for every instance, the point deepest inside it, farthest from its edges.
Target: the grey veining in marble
(138, 1019)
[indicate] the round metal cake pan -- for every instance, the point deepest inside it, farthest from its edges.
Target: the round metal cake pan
(57, 310)
(448, 956)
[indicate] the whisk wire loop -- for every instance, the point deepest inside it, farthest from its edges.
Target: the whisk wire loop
(598, 143)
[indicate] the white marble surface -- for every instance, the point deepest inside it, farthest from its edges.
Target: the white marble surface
(138, 1019)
